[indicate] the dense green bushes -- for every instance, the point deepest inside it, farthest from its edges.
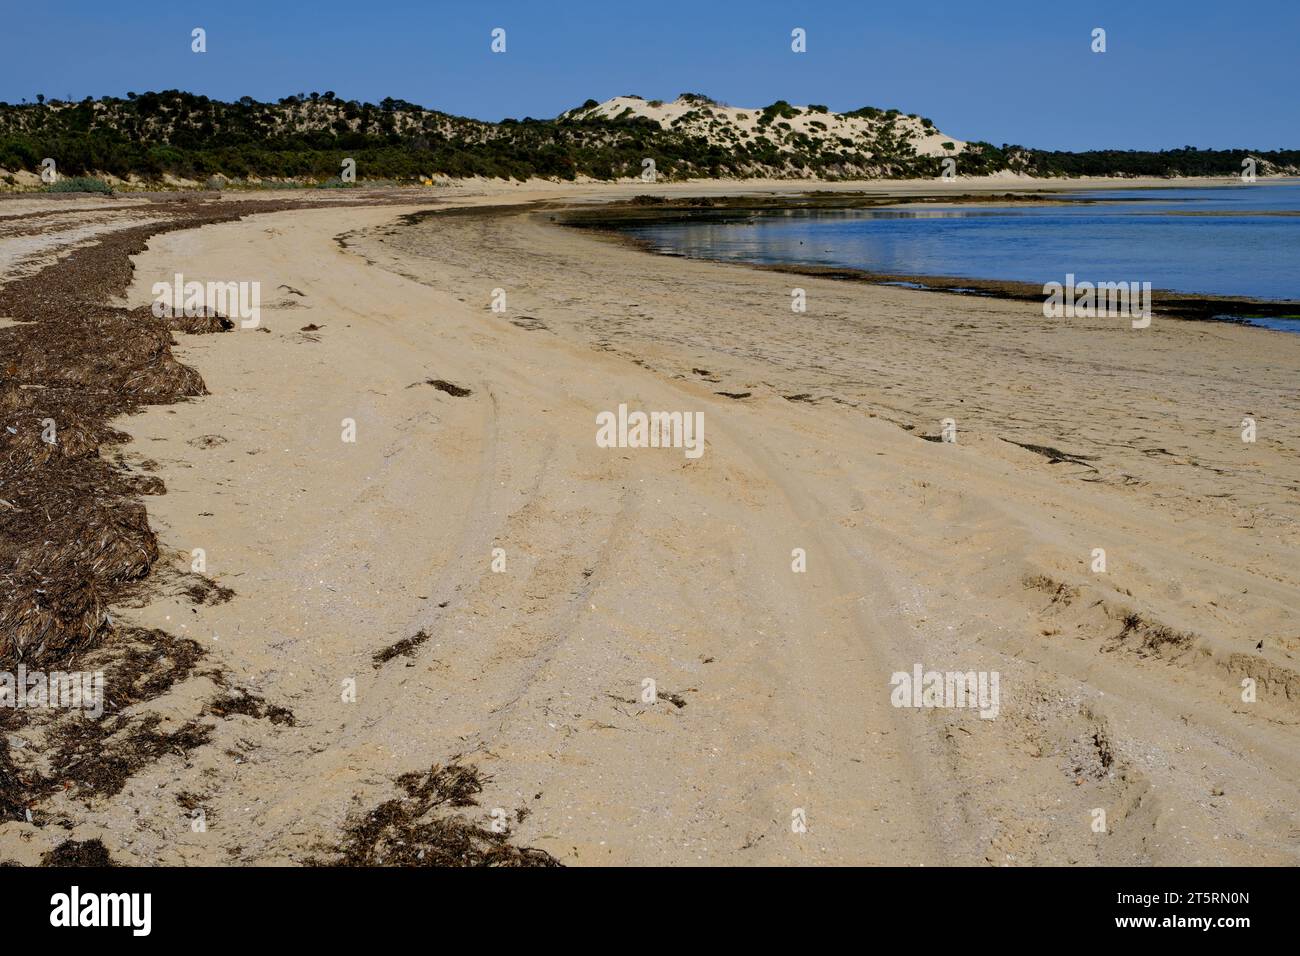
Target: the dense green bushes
(307, 137)
(1188, 161)
(80, 184)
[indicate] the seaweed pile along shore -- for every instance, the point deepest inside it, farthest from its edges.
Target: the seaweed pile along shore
(75, 537)
(74, 533)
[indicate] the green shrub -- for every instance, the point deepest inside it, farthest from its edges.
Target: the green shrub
(80, 184)
(780, 109)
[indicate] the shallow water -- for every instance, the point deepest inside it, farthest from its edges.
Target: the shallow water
(1241, 241)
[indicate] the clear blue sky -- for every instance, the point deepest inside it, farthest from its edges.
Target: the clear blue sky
(1209, 73)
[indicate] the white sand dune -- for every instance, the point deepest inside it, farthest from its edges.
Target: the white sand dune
(731, 126)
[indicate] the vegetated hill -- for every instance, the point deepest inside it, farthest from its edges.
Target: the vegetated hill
(149, 136)
(183, 135)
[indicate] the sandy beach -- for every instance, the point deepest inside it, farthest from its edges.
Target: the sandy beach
(537, 579)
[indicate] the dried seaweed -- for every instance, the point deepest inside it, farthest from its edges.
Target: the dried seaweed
(403, 648)
(78, 853)
(250, 705)
(72, 535)
(421, 829)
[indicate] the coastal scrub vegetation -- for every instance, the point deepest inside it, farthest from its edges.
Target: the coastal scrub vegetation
(150, 136)
(80, 184)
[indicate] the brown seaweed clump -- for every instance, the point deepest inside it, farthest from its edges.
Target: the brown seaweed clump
(248, 704)
(79, 853)
(406, 647)
(421, 829)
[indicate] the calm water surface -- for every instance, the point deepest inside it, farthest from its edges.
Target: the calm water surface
(1234, 241)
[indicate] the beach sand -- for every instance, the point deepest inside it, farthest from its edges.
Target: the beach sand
(1120, 692)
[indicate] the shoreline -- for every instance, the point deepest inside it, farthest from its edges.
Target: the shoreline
(234, 190)
(612, 220)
